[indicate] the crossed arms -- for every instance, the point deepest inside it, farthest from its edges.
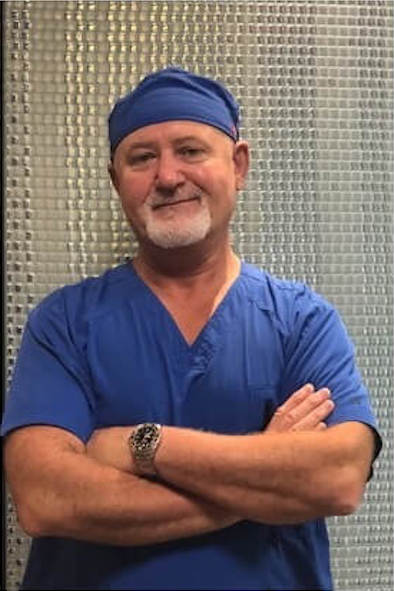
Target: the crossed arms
(293, 471)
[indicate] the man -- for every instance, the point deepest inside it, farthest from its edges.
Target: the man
(185, 421)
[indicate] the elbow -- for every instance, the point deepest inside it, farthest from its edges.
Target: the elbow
(347, 494)
(31, 528)
(346, 505)
(33, 520)
(31, 525)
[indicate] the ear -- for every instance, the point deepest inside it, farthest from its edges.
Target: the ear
(113, 175)
(241, 163)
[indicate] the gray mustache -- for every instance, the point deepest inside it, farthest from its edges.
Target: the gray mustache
(157, 201)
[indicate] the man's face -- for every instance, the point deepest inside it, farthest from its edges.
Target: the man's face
(177, 181)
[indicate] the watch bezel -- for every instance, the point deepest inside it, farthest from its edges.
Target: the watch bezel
(144, 441)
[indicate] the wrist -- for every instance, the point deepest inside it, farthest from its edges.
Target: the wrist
(144, 441)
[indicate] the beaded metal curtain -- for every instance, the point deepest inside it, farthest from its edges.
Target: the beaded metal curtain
(314, 79)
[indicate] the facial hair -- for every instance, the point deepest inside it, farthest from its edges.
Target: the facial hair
(174, 231)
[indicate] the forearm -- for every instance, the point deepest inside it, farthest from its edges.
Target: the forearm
(295, 471)
(75, 496)
(274, 478)
(118, 508)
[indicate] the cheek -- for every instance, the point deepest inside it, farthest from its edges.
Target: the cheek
(215, 179)
(223, 185)
(133, 191)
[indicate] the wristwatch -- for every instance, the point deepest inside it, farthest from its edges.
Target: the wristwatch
(144, 441)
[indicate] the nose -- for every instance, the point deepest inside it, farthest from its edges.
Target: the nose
(168, 173)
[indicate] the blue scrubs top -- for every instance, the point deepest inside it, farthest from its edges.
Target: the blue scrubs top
(106, 352)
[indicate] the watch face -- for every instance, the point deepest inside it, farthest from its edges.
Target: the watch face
(145, 435)
(144, 441)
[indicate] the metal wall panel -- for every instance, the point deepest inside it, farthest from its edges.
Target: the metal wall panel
(314, 79)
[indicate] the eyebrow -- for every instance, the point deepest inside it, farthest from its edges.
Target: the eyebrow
(152, 144)
(188, 138)
(137, 145)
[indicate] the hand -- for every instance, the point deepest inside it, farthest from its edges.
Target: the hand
(305, 410)
(111, 446)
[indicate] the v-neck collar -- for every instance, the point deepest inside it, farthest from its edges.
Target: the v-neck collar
(206, 335)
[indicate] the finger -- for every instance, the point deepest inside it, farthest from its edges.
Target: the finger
(311, 402)
(321, 427)
(296, 398)
(315, 416)
(305, 406)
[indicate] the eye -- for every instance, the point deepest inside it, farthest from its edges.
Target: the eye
(191, 152)
(140, 158)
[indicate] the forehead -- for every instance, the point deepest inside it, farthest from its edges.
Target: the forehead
(173, 131)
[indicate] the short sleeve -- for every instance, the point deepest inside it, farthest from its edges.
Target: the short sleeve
(50, 383)
(319, 351)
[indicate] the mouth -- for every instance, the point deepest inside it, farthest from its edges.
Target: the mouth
(176, 202)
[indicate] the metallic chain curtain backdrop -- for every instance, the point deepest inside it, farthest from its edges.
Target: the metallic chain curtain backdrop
(314, 80)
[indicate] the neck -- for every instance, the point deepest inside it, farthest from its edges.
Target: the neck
(188, 266)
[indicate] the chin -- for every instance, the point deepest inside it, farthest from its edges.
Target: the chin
(180, 234)
(169, 240)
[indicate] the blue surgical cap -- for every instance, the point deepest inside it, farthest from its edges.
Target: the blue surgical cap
(174, 94)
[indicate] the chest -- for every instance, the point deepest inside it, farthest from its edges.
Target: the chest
(190, 319)
(191, 313)
(228, 380)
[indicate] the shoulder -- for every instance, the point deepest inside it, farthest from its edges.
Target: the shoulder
(85, 300)
(291, 301)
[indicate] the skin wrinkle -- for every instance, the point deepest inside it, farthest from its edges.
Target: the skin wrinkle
(98, 495)
(174, 161)
(166, 236)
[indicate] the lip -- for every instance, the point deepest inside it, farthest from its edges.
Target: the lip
(170, 203)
